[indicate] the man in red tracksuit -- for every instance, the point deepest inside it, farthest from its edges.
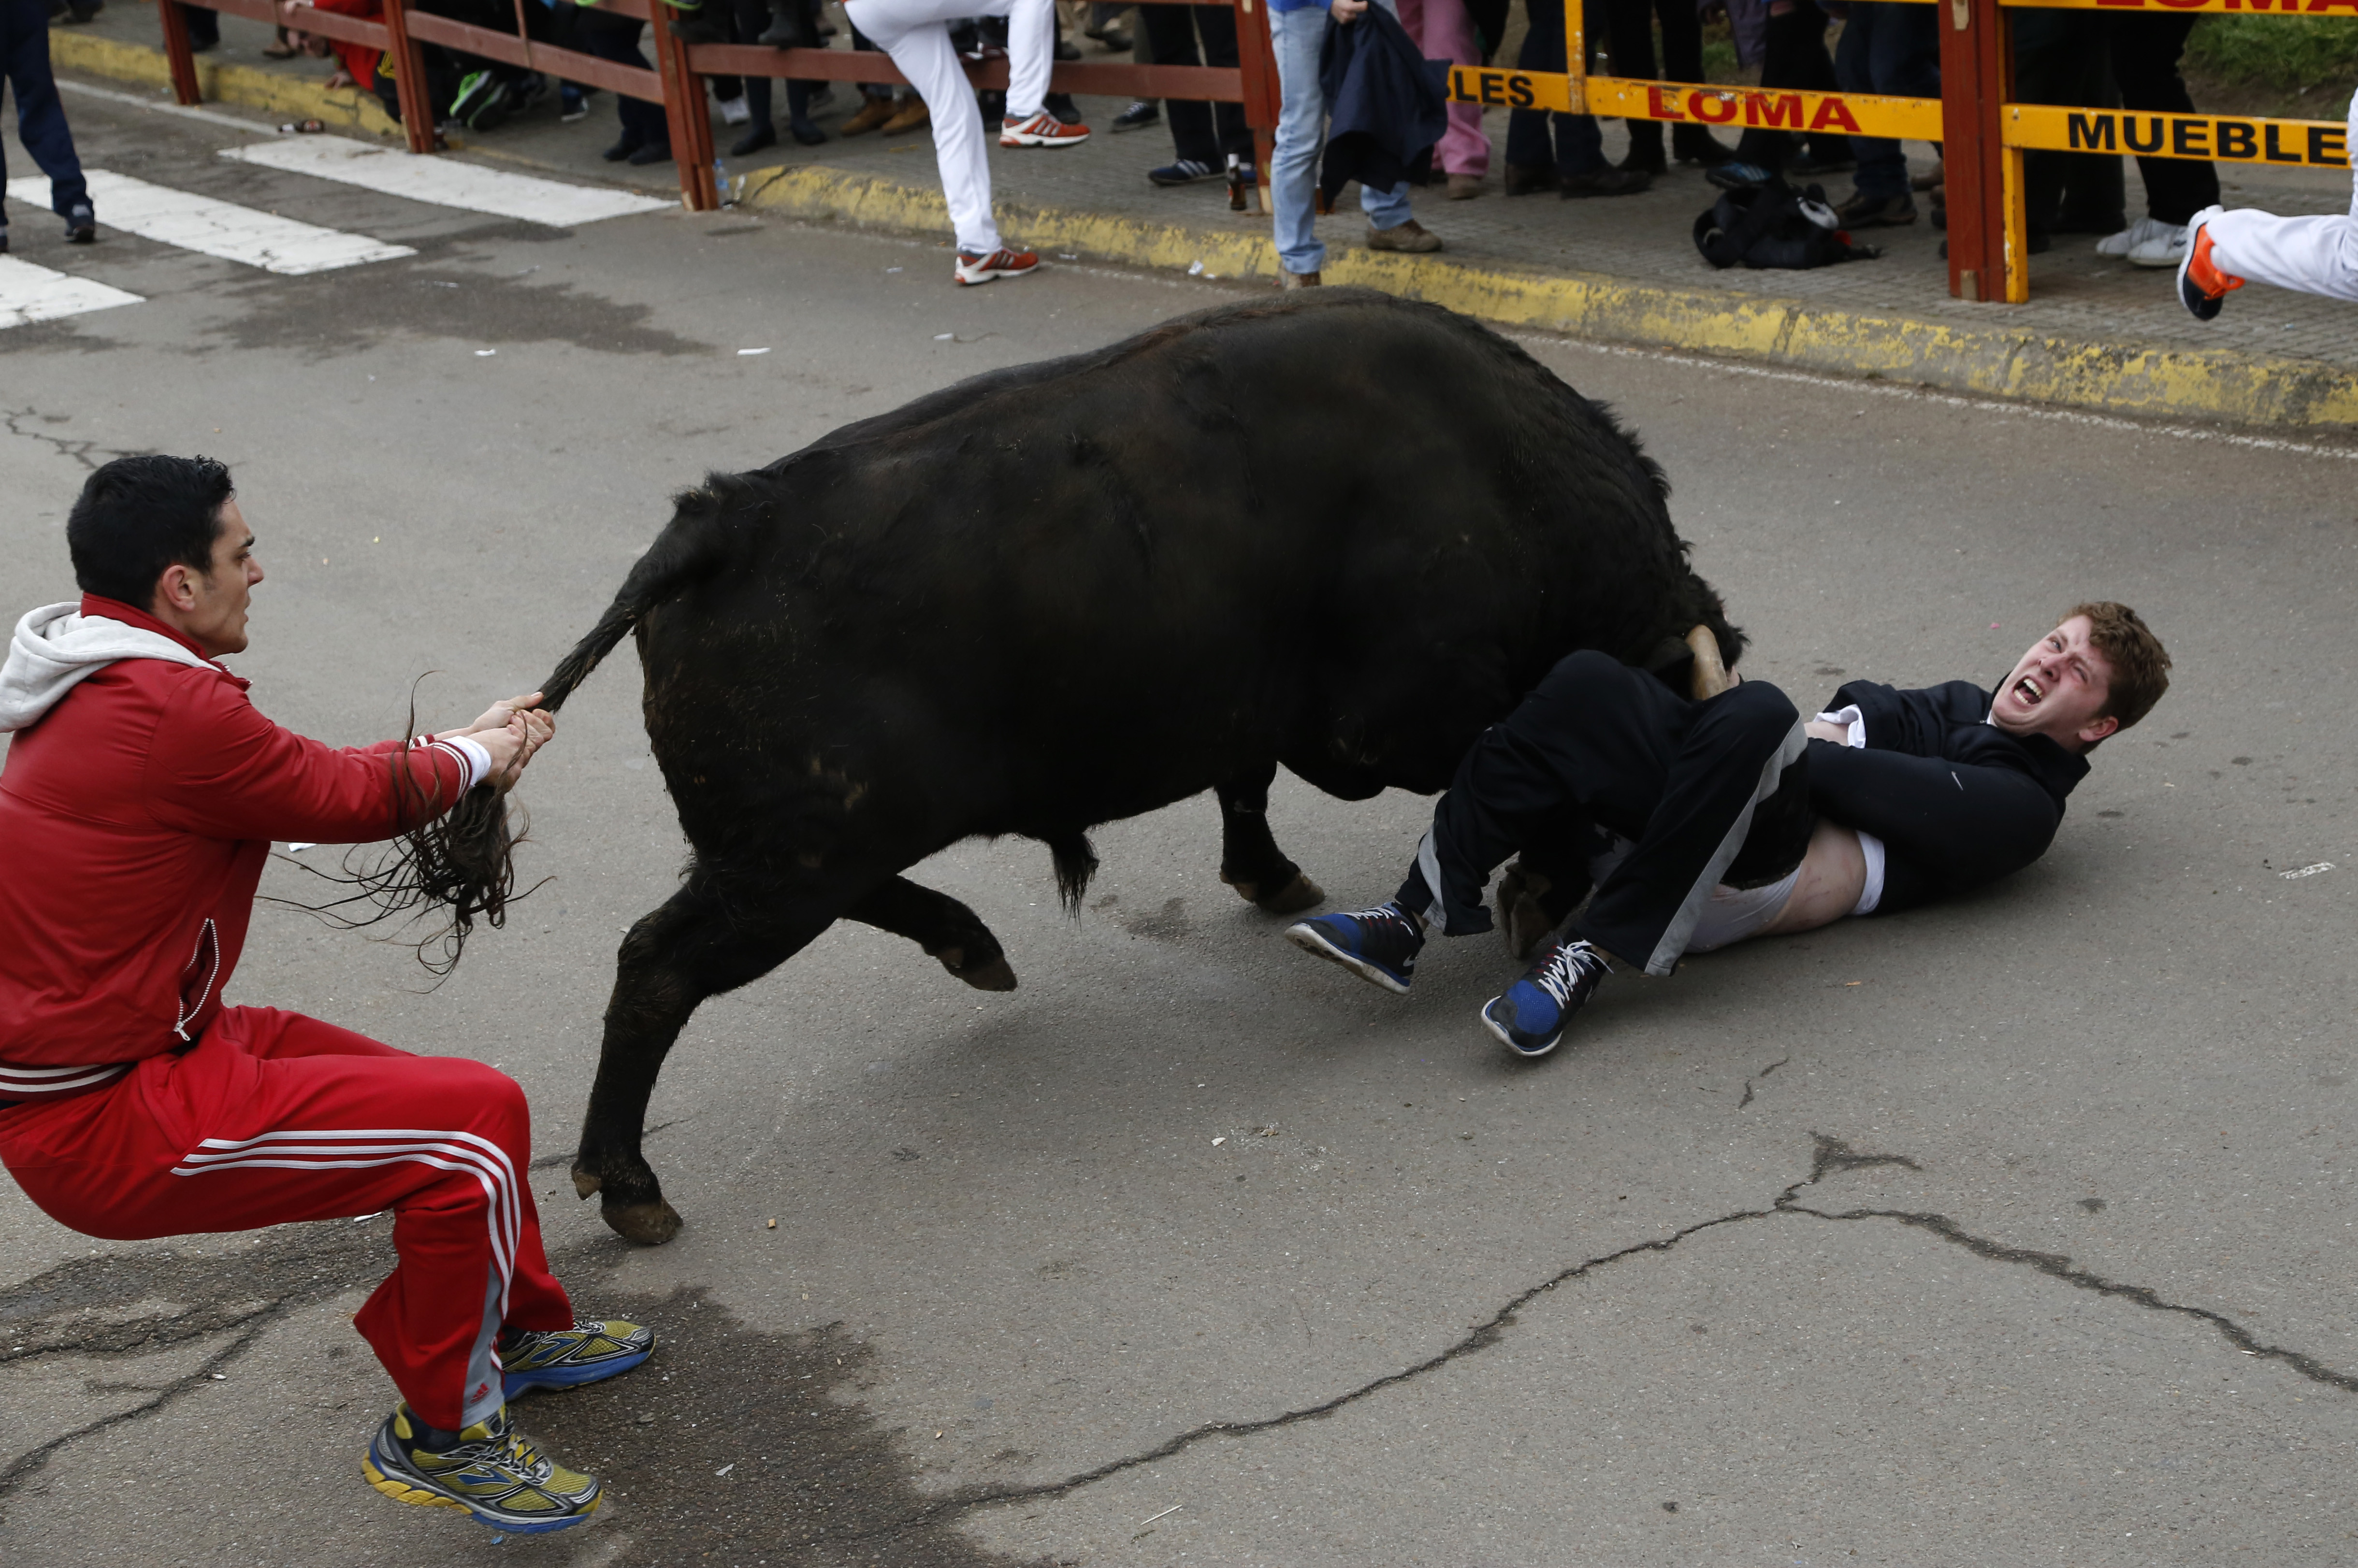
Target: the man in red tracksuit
(140, 797)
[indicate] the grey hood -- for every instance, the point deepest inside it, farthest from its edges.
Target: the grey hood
(56, 646)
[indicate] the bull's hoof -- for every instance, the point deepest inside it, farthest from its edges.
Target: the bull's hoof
(586, 1181)
(1710, 676)
(996, 976)
(1295, 896)
(647, 1224)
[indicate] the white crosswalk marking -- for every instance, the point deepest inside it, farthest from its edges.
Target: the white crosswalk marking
(29, 294)
(445, 182)
(223, 229)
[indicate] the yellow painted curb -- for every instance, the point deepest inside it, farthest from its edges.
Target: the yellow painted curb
(277, 92)
(2181, 384)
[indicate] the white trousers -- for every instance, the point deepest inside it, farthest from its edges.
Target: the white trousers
(2315, 256)
(916, 35)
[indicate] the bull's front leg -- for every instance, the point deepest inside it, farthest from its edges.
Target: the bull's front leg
(1251, 861)
(690, 949)
(942, 927)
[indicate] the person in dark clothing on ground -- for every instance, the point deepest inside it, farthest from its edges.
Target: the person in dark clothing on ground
(1701, 823)
(1552, 151)
(41, 118)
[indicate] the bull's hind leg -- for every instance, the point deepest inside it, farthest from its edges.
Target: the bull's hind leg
(1251, 861)
(705, 940)
(942, 927)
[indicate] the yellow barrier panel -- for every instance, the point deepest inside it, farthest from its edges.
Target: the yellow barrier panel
(1915, 119)
(1854, 114)
(2280, 7)
(2232, 139)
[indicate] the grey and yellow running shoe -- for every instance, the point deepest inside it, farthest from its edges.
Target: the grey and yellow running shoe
(589, 1352)
(496, 1473)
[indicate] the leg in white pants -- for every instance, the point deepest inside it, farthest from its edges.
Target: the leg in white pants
(916, 35)
(2315, 256)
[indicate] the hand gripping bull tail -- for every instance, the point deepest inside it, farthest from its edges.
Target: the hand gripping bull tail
(690, 549)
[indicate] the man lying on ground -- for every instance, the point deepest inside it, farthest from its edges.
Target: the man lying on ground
(142, 792)
(1701, 823)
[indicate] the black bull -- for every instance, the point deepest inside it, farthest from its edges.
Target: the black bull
(1342, 532)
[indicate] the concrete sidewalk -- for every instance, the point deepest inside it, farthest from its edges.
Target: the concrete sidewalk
(2097, 333)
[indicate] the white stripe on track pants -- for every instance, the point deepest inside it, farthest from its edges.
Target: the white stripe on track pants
(2313, 254)
(916, 35)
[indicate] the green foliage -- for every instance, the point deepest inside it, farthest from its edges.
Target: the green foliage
(2283, 53)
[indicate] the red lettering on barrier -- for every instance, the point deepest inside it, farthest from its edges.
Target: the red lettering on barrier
(2317, 5)
(2133, 5)
(1713, 110)
(1831, 113)
(2182, 4)
(1785, 109)
(1661, 104)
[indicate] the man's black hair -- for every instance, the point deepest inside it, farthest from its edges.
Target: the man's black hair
(139, 515)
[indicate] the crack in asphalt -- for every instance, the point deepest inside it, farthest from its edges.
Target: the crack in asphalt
(89, 454)
(1749, 1096)
(288, 1270)
(1831, 1156)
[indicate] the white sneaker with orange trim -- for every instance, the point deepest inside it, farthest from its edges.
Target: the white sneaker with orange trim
(1000, 262)
(1041, 130)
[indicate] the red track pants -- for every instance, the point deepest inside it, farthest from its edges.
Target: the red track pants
(274, 1116)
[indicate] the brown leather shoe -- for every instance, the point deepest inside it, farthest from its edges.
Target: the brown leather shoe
(910, 116)
(1286, 280)
(1411, 238)
(875, 112)
(1610, 180)
(1465, 187)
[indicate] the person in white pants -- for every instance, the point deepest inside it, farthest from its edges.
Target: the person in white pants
(916, 35)
(2313, 254)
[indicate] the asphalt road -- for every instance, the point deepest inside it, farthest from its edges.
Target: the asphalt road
(2013, 1231)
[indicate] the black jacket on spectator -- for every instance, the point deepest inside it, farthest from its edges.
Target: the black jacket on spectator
(1957, 801)
(1385, 99)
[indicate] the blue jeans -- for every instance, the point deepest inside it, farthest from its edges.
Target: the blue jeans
(1294, 170)
(40, 118)
(1579, 148)
(1893, 48)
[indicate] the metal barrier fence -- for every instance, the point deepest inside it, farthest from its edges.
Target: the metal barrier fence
(677, 80)
(1983, 134)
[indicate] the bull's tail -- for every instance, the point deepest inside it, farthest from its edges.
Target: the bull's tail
(691, 548)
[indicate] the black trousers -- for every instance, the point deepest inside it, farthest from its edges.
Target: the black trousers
(1710, 792)
(1630, 35)
(616, 38)
(2058, 57)
(1171, 31)
(2145, 52)
(1796, 57)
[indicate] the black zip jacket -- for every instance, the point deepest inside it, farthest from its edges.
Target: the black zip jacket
(1957, 801)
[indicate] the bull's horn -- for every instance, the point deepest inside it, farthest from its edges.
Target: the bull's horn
(1710, 675)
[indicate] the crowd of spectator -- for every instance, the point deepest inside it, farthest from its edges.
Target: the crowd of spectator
(2078, 56)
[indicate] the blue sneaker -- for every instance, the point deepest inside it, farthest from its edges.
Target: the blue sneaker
(1530, 1019)
(1184, 171)
(589, 1352)
(1378, 944)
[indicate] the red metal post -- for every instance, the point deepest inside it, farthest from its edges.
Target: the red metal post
(683, 112)
(1257, 60)
(1974, 74)
(409, 79)
(177, 50)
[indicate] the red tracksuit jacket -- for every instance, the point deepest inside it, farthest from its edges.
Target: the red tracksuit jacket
(134, 819)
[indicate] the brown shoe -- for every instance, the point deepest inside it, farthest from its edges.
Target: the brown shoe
(909, 118)
(1411, 237)
(875, 112)
(1524, 178)
(1286, 280)
(1936, 175)
(1610, 180)
(1465, 187)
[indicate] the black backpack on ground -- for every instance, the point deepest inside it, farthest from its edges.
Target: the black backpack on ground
(1773, 225)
